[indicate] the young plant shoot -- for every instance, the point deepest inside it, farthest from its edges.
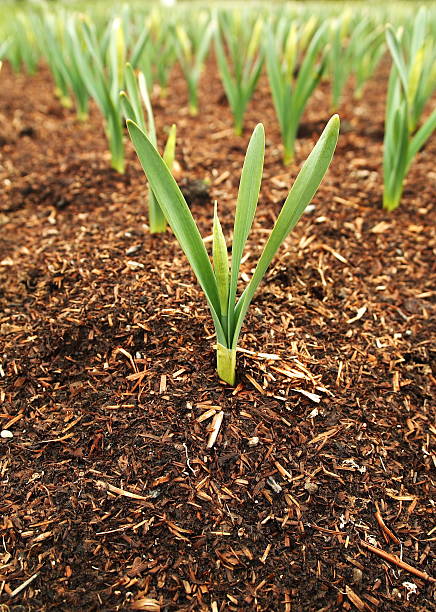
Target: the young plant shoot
(291, 88)
(100, 64)
(401, 145)
(240, 68)
(131, 102)
(192, 41)
(219, 282)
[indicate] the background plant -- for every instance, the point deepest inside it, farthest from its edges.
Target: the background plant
(22, 50)
(240, 58)
(133, 102)
(419, 67)
(192, 42)
(155, 52)
(367, 55)
(407, 89)
(104, 82)
(294, 71)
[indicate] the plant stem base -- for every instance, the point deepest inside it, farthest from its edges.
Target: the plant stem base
(226, 363)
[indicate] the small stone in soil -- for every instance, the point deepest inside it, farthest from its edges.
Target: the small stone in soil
(274, 485)
(357, 575)
(133, 249)
(310, 487)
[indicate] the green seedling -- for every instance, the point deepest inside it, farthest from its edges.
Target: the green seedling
(219, 281)
(403, 110)
(132, 104)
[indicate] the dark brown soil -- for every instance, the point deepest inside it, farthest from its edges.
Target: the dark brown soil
(110, 499)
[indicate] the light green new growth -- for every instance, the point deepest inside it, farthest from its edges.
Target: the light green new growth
(219, 282)
(131, 102)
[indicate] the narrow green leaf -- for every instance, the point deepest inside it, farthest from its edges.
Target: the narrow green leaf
(220, 262)
(276, 80)
(246, 203)
(302, 192)
(420, 138)
(143, 89)
(418, 34)
(139, 47)
(156, 217)
(134, 97)
(397, 56)
(226, 77)
(127, 108)
(180, 219)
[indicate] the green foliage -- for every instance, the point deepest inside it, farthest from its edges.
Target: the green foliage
(356, 47)
(367, 56)
(154, 53)
(219, 282)
(295, 66)
(101, 63)
(132, 104)
(241, 66)
(192, 42)
(411, 82)
(22, 50)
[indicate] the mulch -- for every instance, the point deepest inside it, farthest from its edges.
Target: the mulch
(316, 494)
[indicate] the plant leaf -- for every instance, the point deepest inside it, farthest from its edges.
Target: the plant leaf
(179, 217)
(303, 190)
(220, 262)
(397, 56)
(134, 98)
(143, 89)
(169, 153)
(421, 137)
(248, 195)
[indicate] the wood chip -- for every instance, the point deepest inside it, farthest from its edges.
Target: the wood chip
(397, 561)
(358, 316)
(312, 396)
(108, 487)
(145, 603)
(381, 227)
(355, 599)
(215, 428)
(23, 586)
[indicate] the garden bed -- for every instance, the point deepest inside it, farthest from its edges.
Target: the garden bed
(110, 498)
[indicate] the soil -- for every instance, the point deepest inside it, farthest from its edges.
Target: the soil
(316, 494)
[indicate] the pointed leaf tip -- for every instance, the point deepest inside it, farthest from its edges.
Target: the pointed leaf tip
(335, 121)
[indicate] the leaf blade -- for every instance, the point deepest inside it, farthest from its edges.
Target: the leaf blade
(248, 195)
(179, 218)
(302, 192)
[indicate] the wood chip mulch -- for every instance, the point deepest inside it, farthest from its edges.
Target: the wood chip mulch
(134, 478)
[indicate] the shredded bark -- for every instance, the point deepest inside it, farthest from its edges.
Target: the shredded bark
(315, 491)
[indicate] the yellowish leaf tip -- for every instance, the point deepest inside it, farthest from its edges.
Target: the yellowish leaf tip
(335, 121)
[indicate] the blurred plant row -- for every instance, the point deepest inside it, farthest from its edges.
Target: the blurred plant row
(297, 47)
